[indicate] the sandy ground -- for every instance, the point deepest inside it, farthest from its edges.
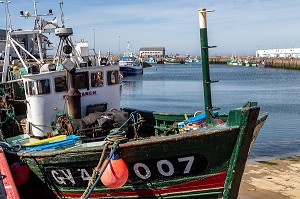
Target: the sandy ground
(275, 179)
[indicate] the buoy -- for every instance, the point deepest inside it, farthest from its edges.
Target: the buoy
(20, 172)
(115, 174)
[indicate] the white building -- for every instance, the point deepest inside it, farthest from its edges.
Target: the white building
(275, 53)
(152, 51)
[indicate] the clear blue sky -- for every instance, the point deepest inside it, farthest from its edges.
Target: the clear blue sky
(237, 26)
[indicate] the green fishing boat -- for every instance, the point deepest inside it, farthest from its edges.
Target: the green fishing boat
(77, 142)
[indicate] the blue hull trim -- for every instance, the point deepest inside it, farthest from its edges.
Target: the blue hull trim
(129, 71)
(150, 62)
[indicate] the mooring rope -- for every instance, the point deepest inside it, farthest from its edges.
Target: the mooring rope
(95, 173)
(11, 148)
(115, 138)
(92, 181)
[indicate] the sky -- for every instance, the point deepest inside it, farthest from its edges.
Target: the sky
(237, 26)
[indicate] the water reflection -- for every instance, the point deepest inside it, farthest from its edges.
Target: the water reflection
(178, 88)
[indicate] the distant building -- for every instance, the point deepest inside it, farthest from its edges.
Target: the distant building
(275, 53)
(152, 52)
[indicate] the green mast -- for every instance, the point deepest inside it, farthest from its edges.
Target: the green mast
(205, 65)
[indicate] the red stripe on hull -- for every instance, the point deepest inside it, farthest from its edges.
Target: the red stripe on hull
(211, 182)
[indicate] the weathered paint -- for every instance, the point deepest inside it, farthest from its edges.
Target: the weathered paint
(205, 66)
(210, 182)
(10, 190)
(166, 158)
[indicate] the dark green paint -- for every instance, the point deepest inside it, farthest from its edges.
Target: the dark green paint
(221, 145)
(206, 76)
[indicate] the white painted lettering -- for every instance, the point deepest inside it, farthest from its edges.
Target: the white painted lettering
(55, 175)
(68, 175)
(190, 161)
(137, 167)
(160, 168)
(85, 175)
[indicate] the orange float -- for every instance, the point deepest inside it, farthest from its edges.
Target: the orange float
(115, 174)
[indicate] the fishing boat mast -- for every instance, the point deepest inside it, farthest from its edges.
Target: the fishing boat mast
(205, 65)
(39, 28)
(14, 43)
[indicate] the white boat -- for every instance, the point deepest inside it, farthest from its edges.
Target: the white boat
(48, 95)
(192, 61)
(151, 60)
(129, 65)
(264, 64)
(234, 61)
(250, 62)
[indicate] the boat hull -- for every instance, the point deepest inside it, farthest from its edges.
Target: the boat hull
(168, 62)
(193, 62)
(151, 62)
(130, 71)
(185, 165)
(208, 169)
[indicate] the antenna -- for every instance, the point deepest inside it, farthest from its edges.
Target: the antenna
(7, 13)
(27, 14)
(62, 17)
(128, 46)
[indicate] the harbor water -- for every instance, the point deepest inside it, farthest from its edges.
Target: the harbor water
(179, 89)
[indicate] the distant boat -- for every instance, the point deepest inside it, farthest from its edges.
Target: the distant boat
(129, 65)
(192, 61)
(234, 61)
(173, 61)
(151, 60)
(263, 64)
(250, 62)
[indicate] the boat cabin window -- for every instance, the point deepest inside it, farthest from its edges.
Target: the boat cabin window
(60, 84)
(97, 79)
(112, 77)
(38, 87)
(81, 80)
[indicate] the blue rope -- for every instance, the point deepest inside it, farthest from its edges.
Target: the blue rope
(133, 116)
(15, 148)
(102, 171)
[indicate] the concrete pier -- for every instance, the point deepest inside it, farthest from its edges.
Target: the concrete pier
(284, 63)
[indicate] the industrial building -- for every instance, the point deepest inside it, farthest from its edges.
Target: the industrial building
(279, 53)
(156, 52)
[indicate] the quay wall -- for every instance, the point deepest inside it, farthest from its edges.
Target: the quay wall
(283, 63)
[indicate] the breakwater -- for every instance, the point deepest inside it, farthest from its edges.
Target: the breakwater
(284, 63)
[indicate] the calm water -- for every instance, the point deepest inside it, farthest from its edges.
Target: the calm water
(178, 88)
